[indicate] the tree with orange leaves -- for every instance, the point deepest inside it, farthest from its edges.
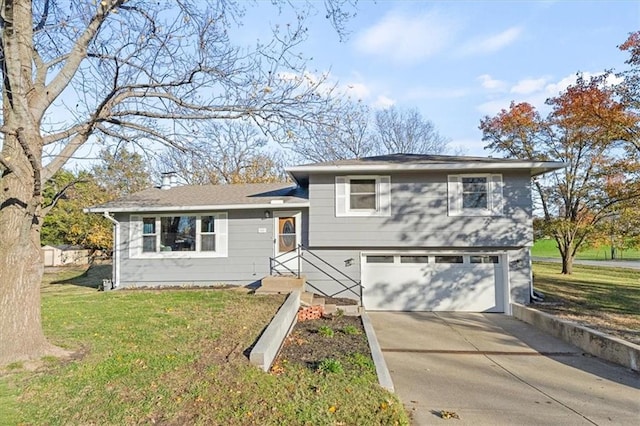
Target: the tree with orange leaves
(588, 129)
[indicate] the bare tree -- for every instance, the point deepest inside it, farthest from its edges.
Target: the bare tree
(138, 71)
(228, 152)
(344, 135)
(406, 131)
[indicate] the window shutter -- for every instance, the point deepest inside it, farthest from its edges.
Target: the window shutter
(454, 189)
(341, 196)
(222, 240)
(497, 198)
(384, 196)
(135, 236)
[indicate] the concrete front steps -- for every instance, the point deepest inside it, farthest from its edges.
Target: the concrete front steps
(308, 299)
(281, 284)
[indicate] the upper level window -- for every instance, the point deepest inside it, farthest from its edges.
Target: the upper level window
(474, 192)
(475, 195)
(363, 196)
(179, 235)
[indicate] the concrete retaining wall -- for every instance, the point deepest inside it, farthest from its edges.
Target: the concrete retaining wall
(594, 342)
(384, 377)
(265, 351)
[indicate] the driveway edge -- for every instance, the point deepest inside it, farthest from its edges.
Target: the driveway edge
(384, 377)
(591, 341)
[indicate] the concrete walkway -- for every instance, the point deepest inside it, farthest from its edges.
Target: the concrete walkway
(629, 264)
(492, 369)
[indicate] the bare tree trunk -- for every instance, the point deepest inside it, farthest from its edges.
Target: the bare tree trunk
(21, 268)
(21, 335)
(567, 264)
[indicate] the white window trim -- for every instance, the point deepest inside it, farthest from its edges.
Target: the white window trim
(495, 197)
(343, 196)
(135, 237)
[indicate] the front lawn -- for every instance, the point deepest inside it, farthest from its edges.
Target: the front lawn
(175, 357)
(607, 299)
(549, 248)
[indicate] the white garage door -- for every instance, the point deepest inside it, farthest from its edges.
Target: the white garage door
(467, 282)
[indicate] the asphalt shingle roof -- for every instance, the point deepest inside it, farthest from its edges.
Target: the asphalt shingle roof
(208, 196)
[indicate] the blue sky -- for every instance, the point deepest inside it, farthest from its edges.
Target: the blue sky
(458, 61)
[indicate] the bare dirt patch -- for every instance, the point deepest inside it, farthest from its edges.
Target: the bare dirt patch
(309, 342)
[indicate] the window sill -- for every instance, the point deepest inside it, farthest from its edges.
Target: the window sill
(179, 255)
(476, 213)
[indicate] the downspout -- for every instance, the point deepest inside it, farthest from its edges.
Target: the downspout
(116, 250)
(532, 293)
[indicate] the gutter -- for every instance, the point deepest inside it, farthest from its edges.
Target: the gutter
(116, 254)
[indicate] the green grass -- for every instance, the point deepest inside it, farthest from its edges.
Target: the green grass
(175, 357)
(606, 298)
(548, 248)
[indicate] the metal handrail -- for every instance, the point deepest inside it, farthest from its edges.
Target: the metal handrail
(303, 249)
(300, 250)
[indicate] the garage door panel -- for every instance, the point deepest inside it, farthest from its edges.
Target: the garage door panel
(432, 287)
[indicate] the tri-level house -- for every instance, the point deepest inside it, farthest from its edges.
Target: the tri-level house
(396, 232)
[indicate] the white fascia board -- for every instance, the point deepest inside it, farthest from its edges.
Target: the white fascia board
(216, 207)
(545, 166)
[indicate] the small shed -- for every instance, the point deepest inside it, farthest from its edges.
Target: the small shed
(65, 254)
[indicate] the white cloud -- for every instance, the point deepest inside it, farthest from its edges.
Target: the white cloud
(383, 102)
(491, 83)
(358, 91)
(535, 91)
(492, 43)
(407, 38)
(494, 106)
(529, 85)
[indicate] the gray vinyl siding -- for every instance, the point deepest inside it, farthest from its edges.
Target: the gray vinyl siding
(419, 216)
(325, 280)
(247, 261)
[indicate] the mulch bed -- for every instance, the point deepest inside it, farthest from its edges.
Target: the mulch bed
(307, 347)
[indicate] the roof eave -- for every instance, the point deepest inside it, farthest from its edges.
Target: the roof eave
(536, 168)
(218, 207)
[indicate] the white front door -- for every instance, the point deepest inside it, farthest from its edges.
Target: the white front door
(287, 238)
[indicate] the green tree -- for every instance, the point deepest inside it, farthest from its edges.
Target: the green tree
(138, 71)
(121, 172)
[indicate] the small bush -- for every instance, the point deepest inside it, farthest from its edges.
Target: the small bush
(330, 365)
(326, 331)
(351, 329)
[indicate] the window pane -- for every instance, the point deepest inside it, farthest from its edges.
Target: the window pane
(286, 234)
(149, 244)
(207, 224)
(484, 259)
(149, 225)
(474, 200)
(474, 193)
(208, 242)
(178, 233)
(360, 186)
(414, 259)
(379, 259)
(363, 201)
(448, 259)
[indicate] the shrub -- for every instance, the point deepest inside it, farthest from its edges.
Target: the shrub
(325, 331)
(330, 365)
(351, 329)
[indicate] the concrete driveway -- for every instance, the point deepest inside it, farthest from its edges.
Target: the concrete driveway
(492, 369)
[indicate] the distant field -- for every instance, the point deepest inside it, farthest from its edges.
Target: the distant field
(548, 248)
